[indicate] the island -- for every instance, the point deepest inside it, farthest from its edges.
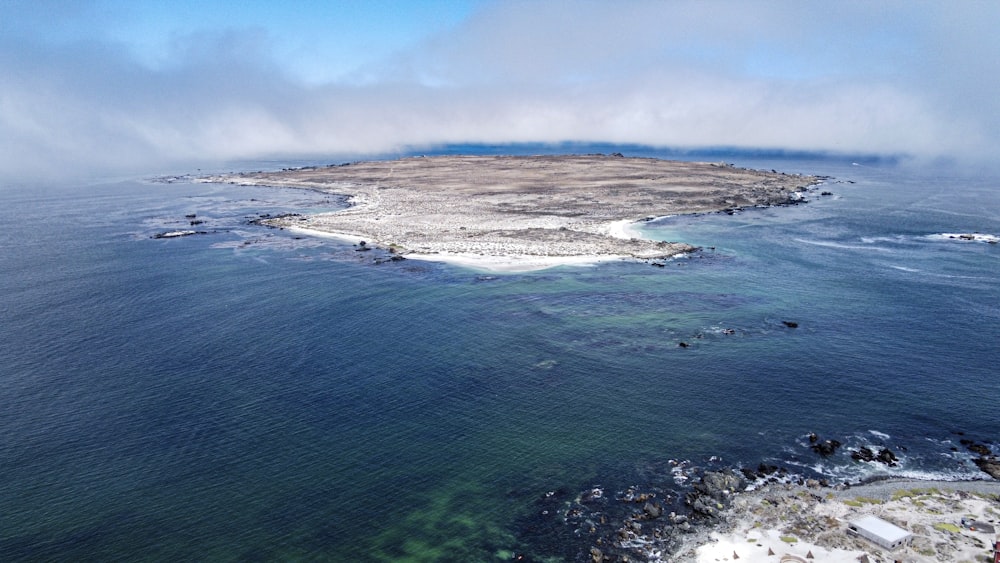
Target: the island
(522, 212)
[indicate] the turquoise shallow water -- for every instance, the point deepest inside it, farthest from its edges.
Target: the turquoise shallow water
(249, 395)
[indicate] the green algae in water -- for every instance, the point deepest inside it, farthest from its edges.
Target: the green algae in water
(456, 523)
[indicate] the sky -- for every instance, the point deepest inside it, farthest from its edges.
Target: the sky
(117, 86)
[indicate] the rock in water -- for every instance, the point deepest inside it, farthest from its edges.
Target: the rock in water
(826, 447)
(989, 466)
(652, 510)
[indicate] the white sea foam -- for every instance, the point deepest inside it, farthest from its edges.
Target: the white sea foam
(842, 246)
(679, 471)
(893, 239)
(624, 229)
(878, 434)
(905, 469)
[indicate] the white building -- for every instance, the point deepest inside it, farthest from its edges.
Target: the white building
(880, 532)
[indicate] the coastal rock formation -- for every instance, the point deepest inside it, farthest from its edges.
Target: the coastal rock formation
(978, 237)
(987, 461)
(712, 493)
(823, 447)
(523, 205)
(990, 466)
(884, 455)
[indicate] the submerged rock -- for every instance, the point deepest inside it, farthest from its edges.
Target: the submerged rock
(979, 449)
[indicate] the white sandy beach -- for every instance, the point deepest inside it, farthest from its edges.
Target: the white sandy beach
(343, 237)
(486, 263)
(624, 229)
(512, 264)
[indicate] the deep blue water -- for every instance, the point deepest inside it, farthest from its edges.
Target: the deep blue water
(249, 395)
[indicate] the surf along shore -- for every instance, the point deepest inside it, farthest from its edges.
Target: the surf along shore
(687, 512)
(521, 212)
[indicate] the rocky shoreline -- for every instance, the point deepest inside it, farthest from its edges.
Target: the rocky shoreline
(682, 511)
(523, 206)
(761, 515)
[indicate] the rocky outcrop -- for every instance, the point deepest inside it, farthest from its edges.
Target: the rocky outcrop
(823, 447)
(973, 237)
(272, 221)
(884, 455)
(990, 466)
(713, 492)
(980, 449)
(987, 460)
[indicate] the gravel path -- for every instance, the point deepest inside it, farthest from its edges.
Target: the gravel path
(883, 490)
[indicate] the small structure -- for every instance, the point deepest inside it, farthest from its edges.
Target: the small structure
(977, 526)
(879, 532)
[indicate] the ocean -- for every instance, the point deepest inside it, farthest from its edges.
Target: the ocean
(248, 394)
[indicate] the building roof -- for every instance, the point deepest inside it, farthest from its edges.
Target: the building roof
(881, 528)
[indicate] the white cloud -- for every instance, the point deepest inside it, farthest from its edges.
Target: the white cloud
(851, 77)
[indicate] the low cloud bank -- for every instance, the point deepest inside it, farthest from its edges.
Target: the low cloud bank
(893, 79)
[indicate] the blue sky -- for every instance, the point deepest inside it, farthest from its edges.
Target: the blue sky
(131, 85)
(317, 41)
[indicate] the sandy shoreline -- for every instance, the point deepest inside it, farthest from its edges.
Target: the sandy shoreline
(623, 229)
(506, 264)
(512, 264)
(507, 213)
(800, 521)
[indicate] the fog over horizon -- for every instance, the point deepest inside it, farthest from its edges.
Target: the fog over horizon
(79, 94)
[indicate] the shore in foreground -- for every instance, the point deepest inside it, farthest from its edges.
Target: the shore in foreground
(523, 212)
(949, 521)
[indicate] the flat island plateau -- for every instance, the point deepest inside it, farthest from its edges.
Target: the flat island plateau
(510, 208)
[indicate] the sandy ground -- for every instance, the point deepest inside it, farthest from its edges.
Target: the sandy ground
(792, 523)
(506, 212)
(511, 264)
